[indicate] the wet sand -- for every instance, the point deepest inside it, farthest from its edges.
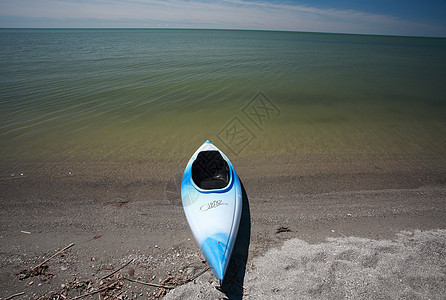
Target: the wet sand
(117, 213)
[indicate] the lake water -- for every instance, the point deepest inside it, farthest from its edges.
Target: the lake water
(69, 95)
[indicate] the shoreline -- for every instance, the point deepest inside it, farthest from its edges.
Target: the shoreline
(116, 213)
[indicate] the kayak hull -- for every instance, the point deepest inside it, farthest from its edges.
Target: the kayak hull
(212, 203)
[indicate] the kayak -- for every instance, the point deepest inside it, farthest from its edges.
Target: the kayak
(212, 201)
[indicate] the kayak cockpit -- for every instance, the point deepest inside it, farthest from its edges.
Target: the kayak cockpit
(210, 170)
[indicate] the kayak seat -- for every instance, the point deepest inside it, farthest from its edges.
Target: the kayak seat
(210, 171)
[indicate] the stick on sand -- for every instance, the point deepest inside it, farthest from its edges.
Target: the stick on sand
(58, 252)
(151, 284)
(118, 269)
(100, 290)
(15, 295)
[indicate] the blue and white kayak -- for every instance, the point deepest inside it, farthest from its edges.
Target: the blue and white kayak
(212, 201)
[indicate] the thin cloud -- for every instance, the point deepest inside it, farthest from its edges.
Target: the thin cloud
(233, 14)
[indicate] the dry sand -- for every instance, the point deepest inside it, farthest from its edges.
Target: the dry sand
(360, 227)
(412, 266)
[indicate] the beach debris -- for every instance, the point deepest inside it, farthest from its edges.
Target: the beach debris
(118, 283)
(25, 232)
(13, 176)
(161, 292)
(167, 279)
(54, 255)
(109, 285)
(283, 229)
(163, 286)
(15, 295)
(119, 269)
(113, 286)
(41, 268)
(36, 271)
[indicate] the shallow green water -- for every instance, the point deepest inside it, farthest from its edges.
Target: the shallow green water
(89, 95)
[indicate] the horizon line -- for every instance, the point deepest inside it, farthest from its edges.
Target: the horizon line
(223, 29)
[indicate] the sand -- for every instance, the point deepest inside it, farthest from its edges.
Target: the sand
(411, 266)
(359, 228)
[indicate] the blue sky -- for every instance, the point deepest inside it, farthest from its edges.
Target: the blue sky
(397, 17)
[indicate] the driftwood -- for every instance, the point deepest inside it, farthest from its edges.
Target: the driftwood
(15, 295)
(112, 273)
(169, 287)
(112, 285)
(107, 288)
(160, 293)
(41, 268)
(52, 256)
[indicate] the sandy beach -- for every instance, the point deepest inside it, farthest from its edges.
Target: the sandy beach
(313, 227)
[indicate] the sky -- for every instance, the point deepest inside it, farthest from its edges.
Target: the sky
(387, 17)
